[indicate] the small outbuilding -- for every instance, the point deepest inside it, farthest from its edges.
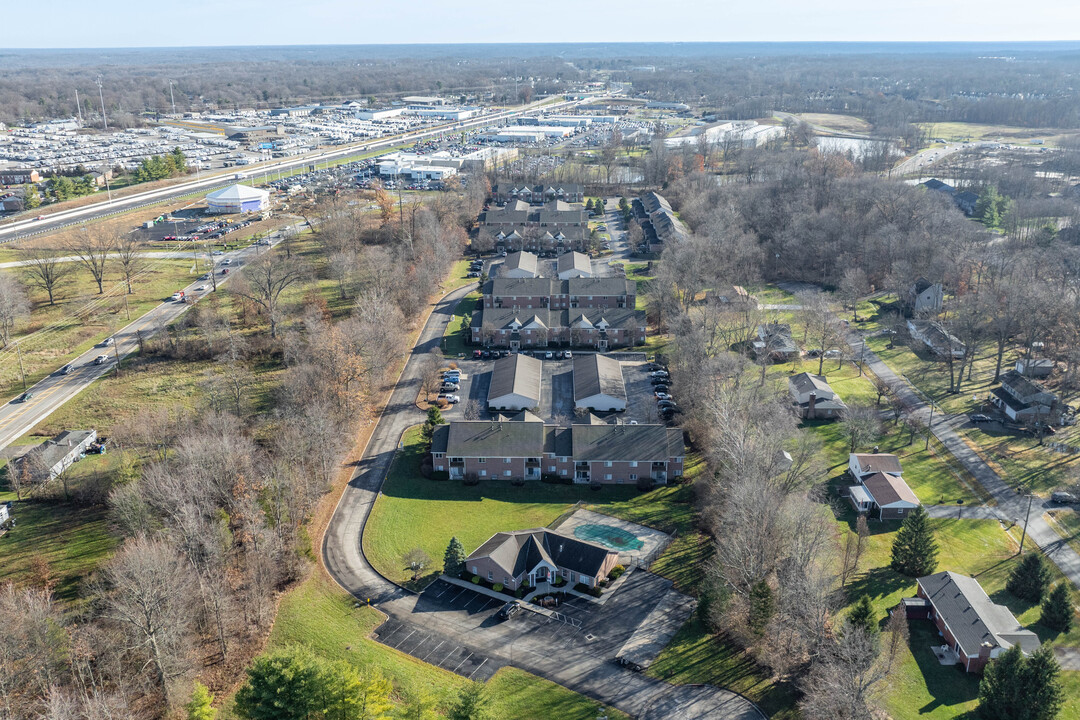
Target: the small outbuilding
(598, 383)
(515, 383)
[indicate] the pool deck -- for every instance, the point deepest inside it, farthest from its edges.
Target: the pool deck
(653, 541)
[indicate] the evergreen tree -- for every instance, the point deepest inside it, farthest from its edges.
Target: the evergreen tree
(179, 161)
(1018, 688)
(434, 419)
(470, 704)
(862, 616)
(31, 198)
(1030, 578)
(419, 705)
(588, 205)
(373, 702)
(914, 551)
(200, 707)
(287, 684)
(1057, 610)
(454, 558)
(762, 606)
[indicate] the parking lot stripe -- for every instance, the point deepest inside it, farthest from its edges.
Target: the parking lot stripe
(471, 601)
(452, 651)
(491, 602)
(477, 669)
(432, 651)
(443, 591)
(462, 662)
(453, 599)
(404, 639)
(385, 638)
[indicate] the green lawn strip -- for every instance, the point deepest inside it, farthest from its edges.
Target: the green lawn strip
(73, 540)
(695, 656)
(320, 615)
(772, 295)
(1021, 460)
(413, 512)
(457, 278)
(455, 339)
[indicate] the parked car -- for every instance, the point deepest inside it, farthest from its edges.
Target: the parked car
(659, 374)
(549, 355)
(477, 354)
(980, 418)
(452, 399)
(101, 359)
(661, 381)
(509, 610)
(813, 353)
(660, 388)
(449, 388)
(1063, 498)
(486, 354)
(567, 354)
(662, 396)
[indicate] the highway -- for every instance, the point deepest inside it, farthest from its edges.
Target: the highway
(49, 394)
(103, 208)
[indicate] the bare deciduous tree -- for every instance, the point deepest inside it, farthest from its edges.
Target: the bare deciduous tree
(128, 252)
(14, 306)
(265, 279)
(45, 270)
(860, 426)
(93, 245)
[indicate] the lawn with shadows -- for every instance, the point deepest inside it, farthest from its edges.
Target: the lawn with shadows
(415, 512)
(456, 337)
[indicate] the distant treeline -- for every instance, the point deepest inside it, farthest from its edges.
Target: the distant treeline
(1027, 85)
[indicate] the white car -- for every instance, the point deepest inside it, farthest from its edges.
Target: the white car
(201, 288)
(662, 396)
(659, 373)
(452, 399)
(226, 261)
(101, 359)
(549, 355)
(218, 252)
(107, 342)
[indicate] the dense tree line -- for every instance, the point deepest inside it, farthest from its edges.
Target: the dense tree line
(212, 504)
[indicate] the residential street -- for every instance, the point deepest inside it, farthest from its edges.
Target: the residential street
(594, 675)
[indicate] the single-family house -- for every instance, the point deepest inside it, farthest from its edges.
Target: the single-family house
(732, 296)
(520, 264)
(515, 383)
(931, 334)
(976, 630)
(883, 496)
(54, 456)
(814, 398)
(537, 556)
(924, 296)
(774, 340)
(598, 383)
(574, 265)
(1023, 399)
(862, 465)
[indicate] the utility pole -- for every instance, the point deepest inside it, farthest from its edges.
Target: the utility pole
(116, 352)
(929, 425)
(21, 372)
(1027, 515)
(78, 107)
(101, 95)
(172, 99)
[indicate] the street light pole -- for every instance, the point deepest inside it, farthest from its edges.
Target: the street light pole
(1027, 515)
(929, 425)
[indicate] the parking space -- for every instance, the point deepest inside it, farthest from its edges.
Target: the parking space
(640, 400)
(437, 649)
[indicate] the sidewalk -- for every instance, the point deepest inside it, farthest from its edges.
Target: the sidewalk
(1011, 507)
(478, 588)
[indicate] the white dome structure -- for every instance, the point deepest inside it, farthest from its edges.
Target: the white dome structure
(237, 199)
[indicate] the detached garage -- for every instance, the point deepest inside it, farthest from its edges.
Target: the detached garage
(598, 384)
(515, 383)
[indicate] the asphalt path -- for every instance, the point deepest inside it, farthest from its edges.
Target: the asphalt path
(54, 221)
(593, 675)
(49, 394)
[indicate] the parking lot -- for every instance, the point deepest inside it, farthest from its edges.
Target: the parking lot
(449, 626)
(557, 390)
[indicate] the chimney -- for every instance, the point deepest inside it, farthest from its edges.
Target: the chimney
(811, 413)
(877, 449)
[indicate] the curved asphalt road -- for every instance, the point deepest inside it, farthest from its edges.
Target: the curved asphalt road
(595, 677)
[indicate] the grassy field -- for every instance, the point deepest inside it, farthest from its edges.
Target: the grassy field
(1067, 524)
(321, 616)
(958, 131)
(457, 278)
(455, 339)
(839, 123)
(415, 512)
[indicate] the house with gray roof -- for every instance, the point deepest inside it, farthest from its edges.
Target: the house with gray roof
(1023, 399)
(924, 296)
(537, 556)
(515, 383)
(814, 398)
(526, 448)
(54, 456)
(521, 264)
(598, 383)
(574, 265)
(976, 630)
(934, 336)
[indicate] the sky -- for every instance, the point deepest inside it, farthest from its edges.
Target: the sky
(151, 23)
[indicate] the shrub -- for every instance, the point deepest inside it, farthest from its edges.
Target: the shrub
(471, 479)
(453, 366)
(644, 484)
(519, 593)
(582, 588)
(616, 572)
(517, 482)
(440, 475)
(425, 470)
(497, 587)
(556, 479)
(559, 581)
(595, 485)
(475, 579)
(596, 592)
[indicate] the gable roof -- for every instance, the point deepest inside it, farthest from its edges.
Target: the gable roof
(806, 382)
(647, 443)
(596, 374)
(879, 462)
(518, 375)
(521, 551)
(522, 260)
(574, 261)
(972, 617)
(524, 287)
(486, 438)
(599, 286)
(888, 489)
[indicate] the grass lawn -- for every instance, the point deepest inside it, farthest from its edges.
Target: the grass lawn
(1067, 524)
(415, 512)
(841, 123)
(73, 540)
(321, 616)
(457, 278)
(457, 330)
(960, 131)
(772, 295)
